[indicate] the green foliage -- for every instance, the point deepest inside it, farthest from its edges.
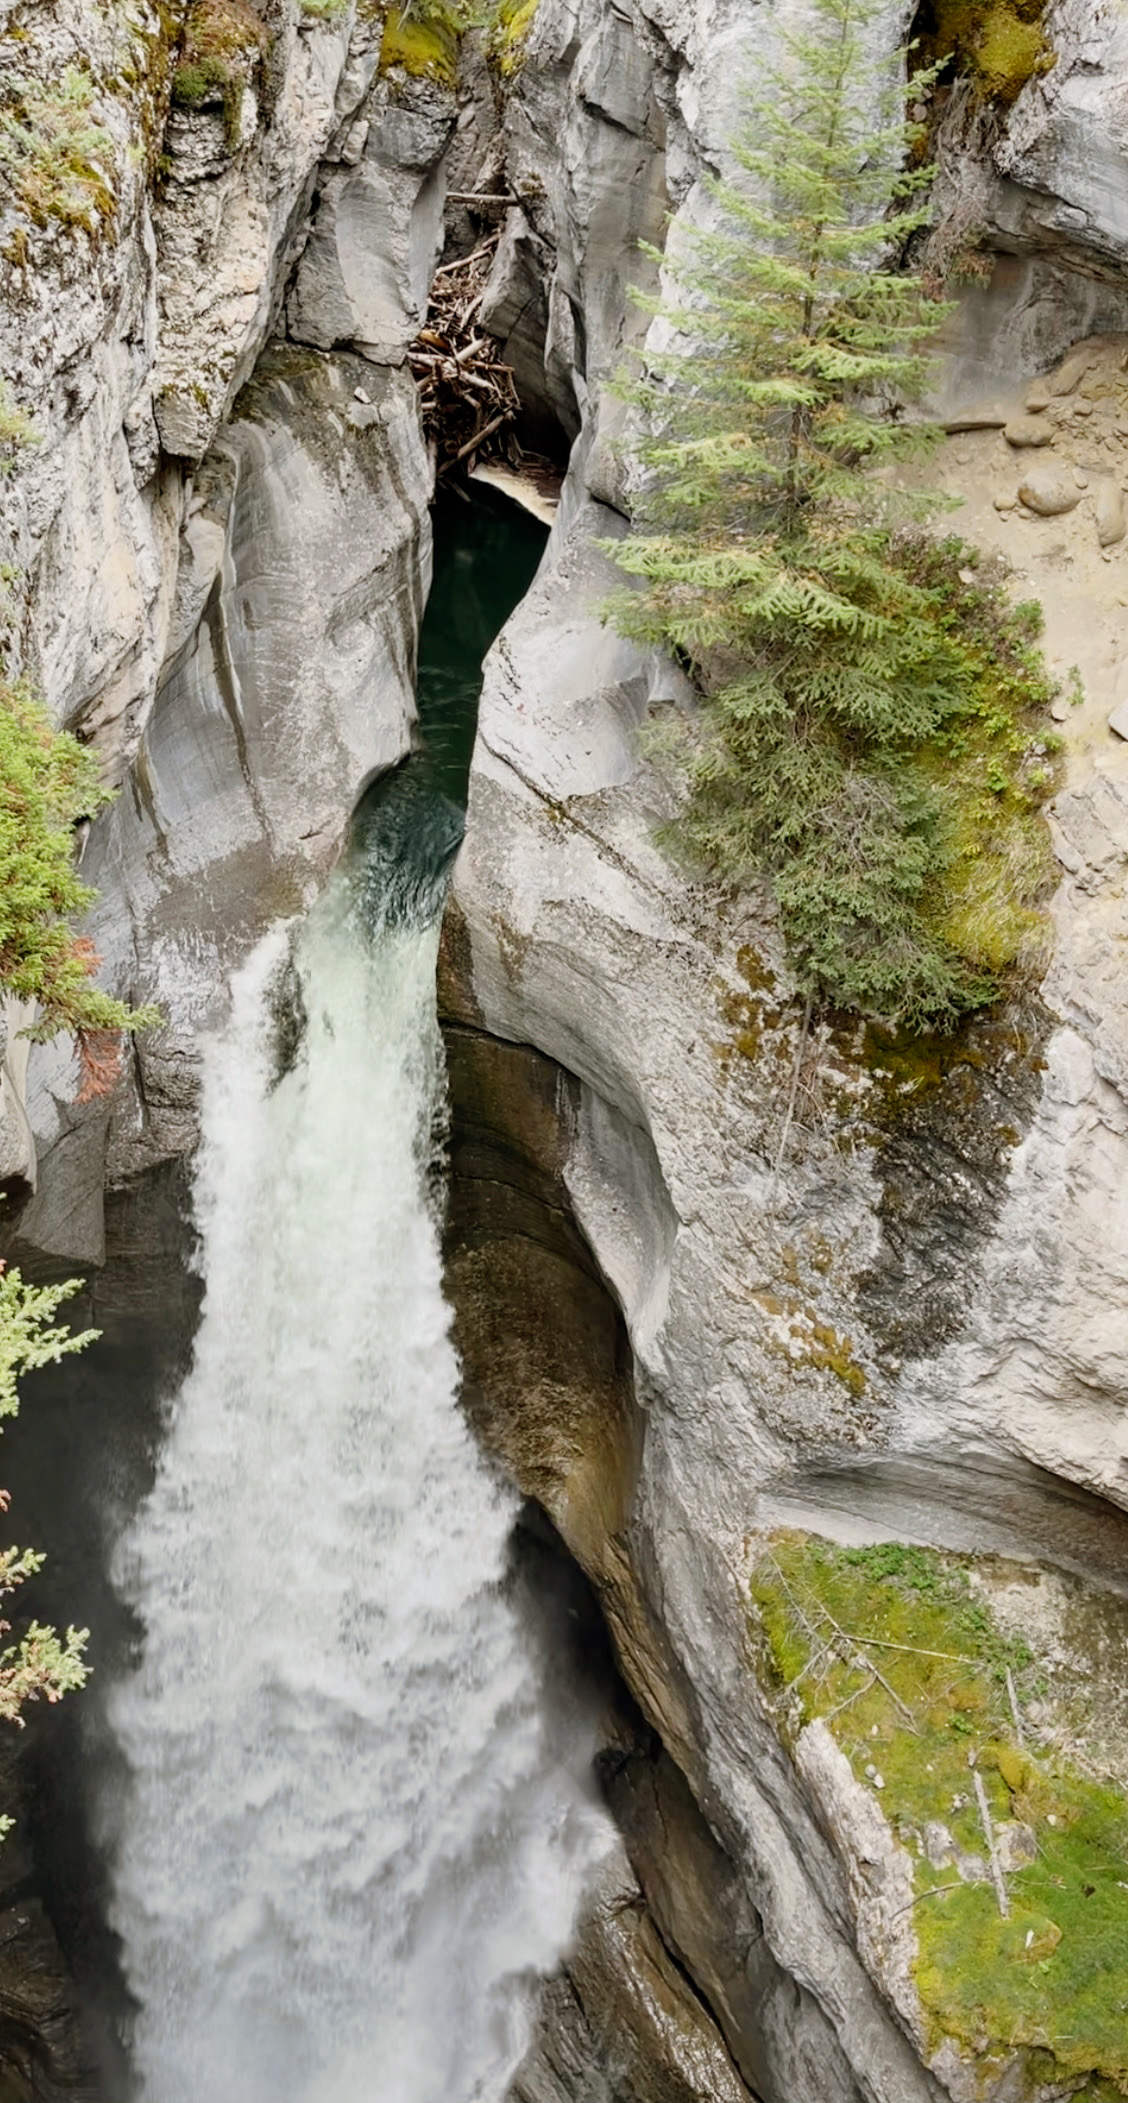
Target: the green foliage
(42, 1665)
(868, 730)
(423, 40)
(326, 10)
(999, 47)
(47, 780)
(16, 430)
(896, 1649)
(57, 160)
(509, 32)
(223, 43)
(29, 1335)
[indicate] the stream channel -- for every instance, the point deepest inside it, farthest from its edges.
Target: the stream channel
(314, 1829)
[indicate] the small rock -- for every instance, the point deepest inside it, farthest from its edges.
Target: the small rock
(879, 1781)
(1082, 408)
(984, 416)
(939, 1847)
(1037, 397)
(1049, 490)
(1118, 720)
(963, 456)
(966, 576)
(1112, 518)
(359, 395)
(1028, 430)
(1081, 478)
(1016, 1845)
(1004, 500)
(974, 1869)
(1060, 710)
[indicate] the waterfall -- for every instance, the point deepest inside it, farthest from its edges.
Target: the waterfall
(347, 1849)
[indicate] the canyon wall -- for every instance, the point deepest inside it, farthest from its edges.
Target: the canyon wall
(900, 1308)
(904, 1300)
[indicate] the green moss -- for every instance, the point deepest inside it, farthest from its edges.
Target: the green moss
(326, 10)
(223, 45)
(897, 1650)
(509, 33)
(1000, 47)
(425, 44)
(822, 1347)
(16, 430)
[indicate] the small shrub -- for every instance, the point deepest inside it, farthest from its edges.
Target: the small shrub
(16, 430)
(223, 45)
(47, 781)
(58, 161)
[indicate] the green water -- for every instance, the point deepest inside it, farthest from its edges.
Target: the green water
(486, 553)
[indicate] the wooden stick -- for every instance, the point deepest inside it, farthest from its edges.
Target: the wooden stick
(992, 1850)
(931, 1891)
(479, 438)
(464, 262)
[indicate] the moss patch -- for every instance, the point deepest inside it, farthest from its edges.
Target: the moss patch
(222, 49)
(897, 1649)
(1000, 47)
(424, 43)
(509, 33)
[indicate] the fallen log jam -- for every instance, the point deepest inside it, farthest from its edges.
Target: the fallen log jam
(467, 394)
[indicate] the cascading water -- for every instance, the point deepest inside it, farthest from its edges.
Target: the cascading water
(347, 1849)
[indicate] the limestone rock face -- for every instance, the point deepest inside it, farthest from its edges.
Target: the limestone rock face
(377, 233)
(302, 588)
(128, 323)
(223, 221)
(129, 320)
(930, 1266)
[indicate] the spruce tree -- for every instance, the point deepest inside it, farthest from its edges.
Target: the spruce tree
(857, 694)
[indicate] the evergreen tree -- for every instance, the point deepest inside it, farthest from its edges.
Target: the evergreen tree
(47, 780)
(857, 696)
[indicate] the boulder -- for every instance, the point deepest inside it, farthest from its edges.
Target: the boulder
(1028, 431)
(1049, 490)
(981, 416)
(1112, 519)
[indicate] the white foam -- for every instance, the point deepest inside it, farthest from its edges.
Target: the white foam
(347, 1849)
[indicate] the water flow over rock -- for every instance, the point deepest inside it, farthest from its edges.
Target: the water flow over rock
(347, 1849)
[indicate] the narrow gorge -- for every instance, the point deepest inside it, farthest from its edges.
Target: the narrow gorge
(601, 1495)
